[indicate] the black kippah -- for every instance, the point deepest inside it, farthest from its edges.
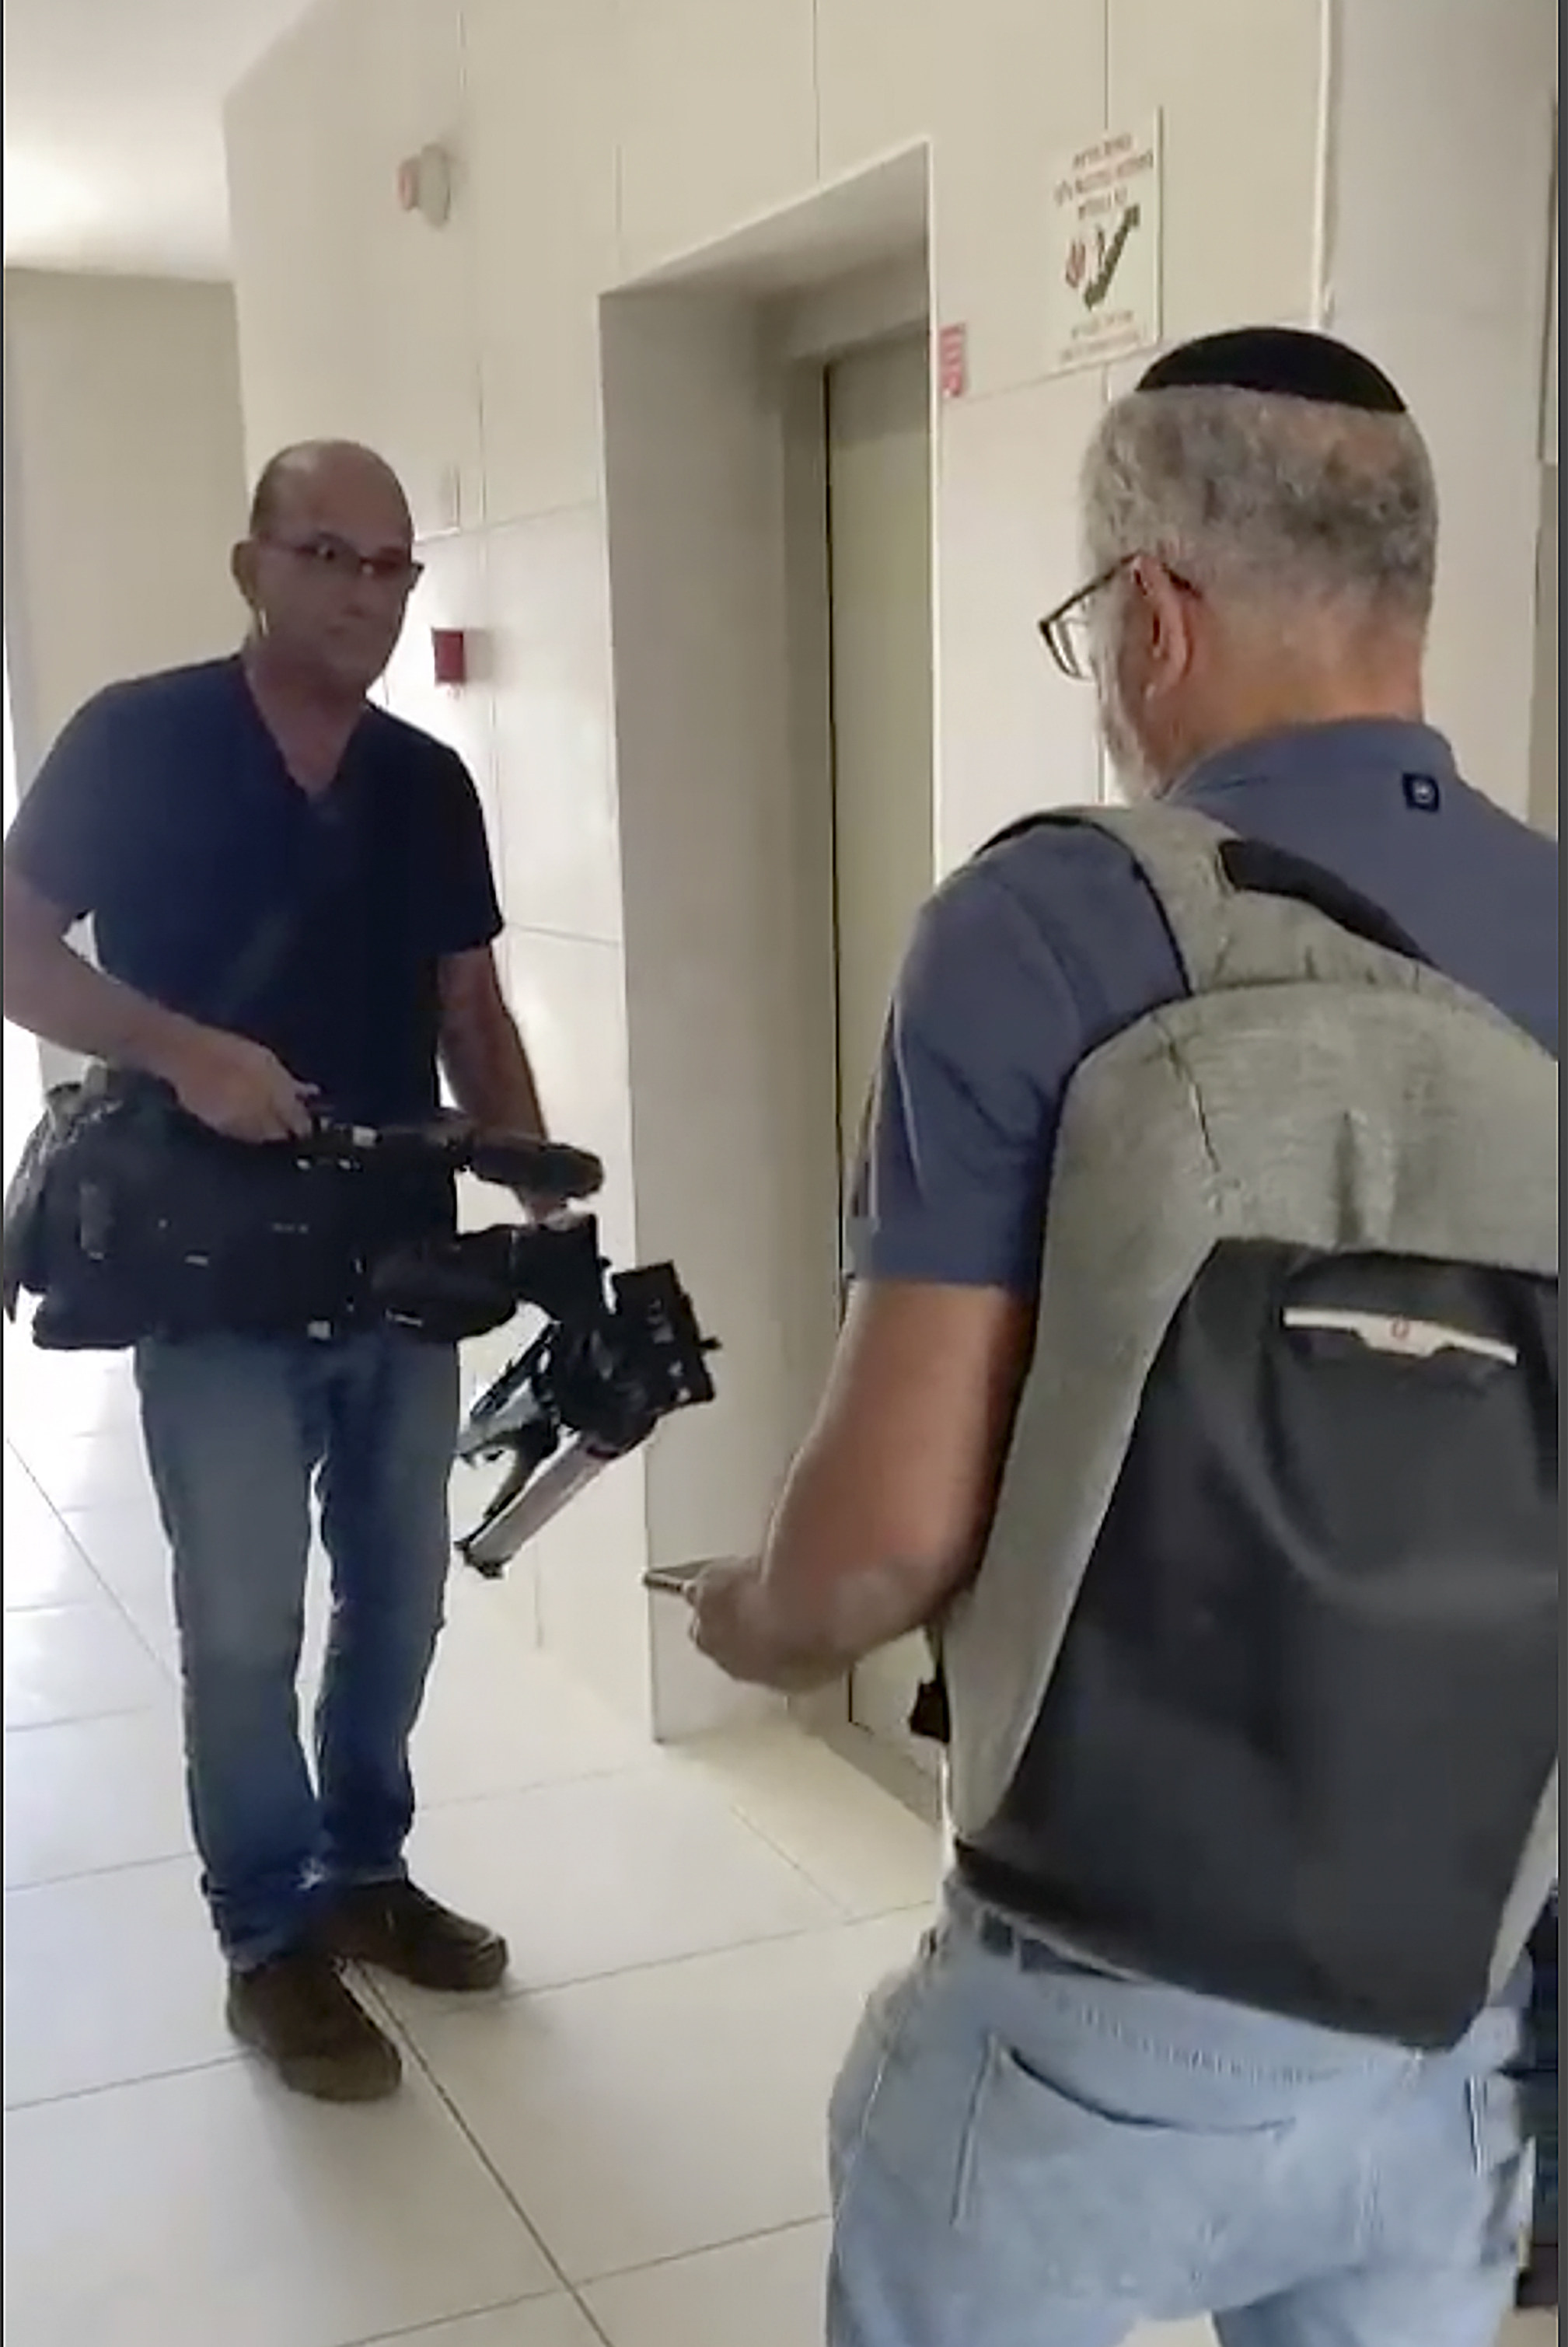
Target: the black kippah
(1278, 359)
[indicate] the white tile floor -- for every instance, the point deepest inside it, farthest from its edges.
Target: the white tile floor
(624, 2152)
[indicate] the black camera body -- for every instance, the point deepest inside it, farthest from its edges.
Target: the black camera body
(128, 1221)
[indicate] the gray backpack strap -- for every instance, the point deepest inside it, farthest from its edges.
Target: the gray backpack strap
(1178, 854)
(1243, 914)
(1240, 911)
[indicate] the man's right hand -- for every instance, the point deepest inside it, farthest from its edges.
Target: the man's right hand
(237, 1087)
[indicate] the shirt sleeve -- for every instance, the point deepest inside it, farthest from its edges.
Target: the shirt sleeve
(465, 911)
(67, 838)
(984, 1034)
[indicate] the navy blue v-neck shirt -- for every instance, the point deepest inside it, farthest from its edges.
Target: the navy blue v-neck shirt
(166, 812)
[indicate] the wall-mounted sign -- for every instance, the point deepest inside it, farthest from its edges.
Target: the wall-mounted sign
(1104, 284)
(953, 362)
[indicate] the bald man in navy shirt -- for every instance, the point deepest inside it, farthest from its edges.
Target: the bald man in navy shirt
(261, 810)
(1261, 529)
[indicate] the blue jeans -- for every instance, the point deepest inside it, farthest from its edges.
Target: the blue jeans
(237, 1430)
(1049, 2157)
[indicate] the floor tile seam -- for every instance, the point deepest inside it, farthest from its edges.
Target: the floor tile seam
(457, 2007)
(415, 2053)
(161, 2075)
(182, 1858)
(710, 2250)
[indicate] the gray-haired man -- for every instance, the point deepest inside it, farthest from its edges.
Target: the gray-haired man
(1031, 2150)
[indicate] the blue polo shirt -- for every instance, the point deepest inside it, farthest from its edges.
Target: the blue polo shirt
(1045, 946)
(164, 811)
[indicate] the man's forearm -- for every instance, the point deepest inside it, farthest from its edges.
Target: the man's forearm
(807, 1611)
(491, 1079)
(53, 992)
(763, 1632)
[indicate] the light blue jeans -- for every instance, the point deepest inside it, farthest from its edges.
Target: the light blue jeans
(237, 1432)
(1049, 2157)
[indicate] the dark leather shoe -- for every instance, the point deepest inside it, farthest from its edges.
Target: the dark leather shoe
(400, 1929)
(299, 2014)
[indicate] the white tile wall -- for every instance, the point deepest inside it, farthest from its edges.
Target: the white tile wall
(1443, 135)
(586, 1567)
(1457, 377)
(1017, 84)
(876, 75)
(592, 1606)
(356, 318)
(455, 592)
(540, 204)
(124, 457)
(716, 109)
(300, 228)
(549, 592)
(569, 996)
(1545, 729)
(1549, 387)
(1014, 733)
(1439, 262)
(418, 351)
(1241, 149)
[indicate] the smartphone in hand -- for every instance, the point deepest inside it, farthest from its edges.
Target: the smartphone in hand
(674, 1580)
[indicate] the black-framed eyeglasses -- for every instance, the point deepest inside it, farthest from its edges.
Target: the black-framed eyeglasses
(1069, 631)
(331, 557)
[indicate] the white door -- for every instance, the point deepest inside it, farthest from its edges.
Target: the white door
(880, 533)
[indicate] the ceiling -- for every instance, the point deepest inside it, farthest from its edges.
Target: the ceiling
(113, 142)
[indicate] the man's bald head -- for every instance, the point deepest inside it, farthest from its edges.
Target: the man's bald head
(313, 470)
(328, 564)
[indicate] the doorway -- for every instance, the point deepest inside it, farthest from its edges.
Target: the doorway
(724, 373)
(877, 433)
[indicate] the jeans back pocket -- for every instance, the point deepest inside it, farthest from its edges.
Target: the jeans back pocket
(1098, 2204)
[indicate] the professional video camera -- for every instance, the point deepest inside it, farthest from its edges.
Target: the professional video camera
(613, 1358)
(616, 1355)
(128, 1220)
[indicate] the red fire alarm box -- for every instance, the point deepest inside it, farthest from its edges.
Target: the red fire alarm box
(449, 654)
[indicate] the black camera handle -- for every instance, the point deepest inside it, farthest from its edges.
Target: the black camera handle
(510, 1161)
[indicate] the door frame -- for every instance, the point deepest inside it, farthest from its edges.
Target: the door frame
(715, 623)
(810, 334)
